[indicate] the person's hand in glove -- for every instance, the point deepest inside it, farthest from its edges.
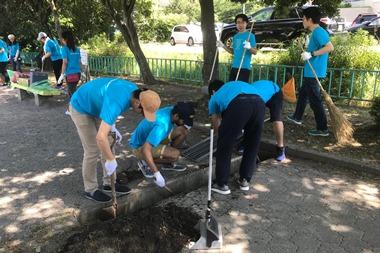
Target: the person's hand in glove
(159, 179)
(119, 137)
(306, 56)
(43, 58)
(15, 58)
(61, 77)
(219, 44)
(247, 45)
(110, 166)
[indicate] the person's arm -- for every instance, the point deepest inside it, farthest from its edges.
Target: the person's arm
(64, 65)
(148, 157)
(17, 52)
(324, 50)
(215, 122)
(102, 141)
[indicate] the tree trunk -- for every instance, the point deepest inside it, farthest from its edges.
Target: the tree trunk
(209, 40)
(56, 19)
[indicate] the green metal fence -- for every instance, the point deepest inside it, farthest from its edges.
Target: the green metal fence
(340, 83)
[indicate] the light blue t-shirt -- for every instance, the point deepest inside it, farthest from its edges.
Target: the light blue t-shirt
(267, 89)
(223, 97)
(105, 98)
(238, 48)
(318, 39)
(13, 49)
(52, 47)
(153, 132)
(4, 54)
(73, 60)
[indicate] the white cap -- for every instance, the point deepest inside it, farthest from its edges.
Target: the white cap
(11, 36)
(41, 35)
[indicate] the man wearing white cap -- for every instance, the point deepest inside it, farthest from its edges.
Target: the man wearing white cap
(94, 108)
(52, 50)
(14, 53)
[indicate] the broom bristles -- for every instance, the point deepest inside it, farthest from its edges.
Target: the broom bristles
(342, 128)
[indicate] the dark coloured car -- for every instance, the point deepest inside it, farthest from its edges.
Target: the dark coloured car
(364, 17)
(270, 26)
(371, 26)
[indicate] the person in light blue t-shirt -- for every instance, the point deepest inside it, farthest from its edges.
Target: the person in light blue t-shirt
(52, 50)
(4, 61)
(233, 107)
(159, 141)
(71, 62)
(317, 51)
(94, 109)
(14, 53)
(242, 49)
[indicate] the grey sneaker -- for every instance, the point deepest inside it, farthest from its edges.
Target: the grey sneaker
(144, 168)
(174, 167)
(315, 132)
(294, 120)
(225, 190)
(243, 184)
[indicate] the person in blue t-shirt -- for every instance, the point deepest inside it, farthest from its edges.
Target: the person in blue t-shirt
(316, 53)
(240, 44)
(94, 109)
(14, 53)
(71, 62)
(158, 141)
(275, 110)
(4, 61)
(233, 107)
(52, 50)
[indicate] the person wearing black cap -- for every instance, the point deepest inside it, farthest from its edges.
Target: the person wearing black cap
(158, 141)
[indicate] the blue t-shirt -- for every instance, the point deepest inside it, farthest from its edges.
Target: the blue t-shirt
(153, 132)
(52, 47)
(105, 98)
(267, 89)
(318, 39)
(13, 47)
(223, 97)
(238, 48)
(73, 60)
(4, 54)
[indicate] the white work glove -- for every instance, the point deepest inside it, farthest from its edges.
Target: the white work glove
(306, 56)
(159, 179)
(219, 43)
(119, 137)
(61, 77)
(110, 166)
(247, 45)
(43, 58)
(15, 59)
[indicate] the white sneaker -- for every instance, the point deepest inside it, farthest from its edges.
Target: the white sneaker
(67, 112)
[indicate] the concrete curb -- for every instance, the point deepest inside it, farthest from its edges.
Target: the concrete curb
(269, 146)
(145, 195)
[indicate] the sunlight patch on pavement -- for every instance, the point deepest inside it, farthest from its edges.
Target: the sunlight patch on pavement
(340, 228)
(306, 182)
(11, 229)
(261, 188)
(43, 208)
(61, 154)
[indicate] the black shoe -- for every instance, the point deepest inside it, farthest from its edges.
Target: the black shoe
(243, 184)
(174, 167)
(119, 188)
(98, 196)
(225, 190)
(280, 154)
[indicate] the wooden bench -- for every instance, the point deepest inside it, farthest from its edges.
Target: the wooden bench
(38, 92)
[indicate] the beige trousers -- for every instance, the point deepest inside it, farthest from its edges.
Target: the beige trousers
(87, 127)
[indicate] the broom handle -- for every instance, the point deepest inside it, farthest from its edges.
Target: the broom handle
(242, 58)
(213, 65)
(315, 75)
(208, 212)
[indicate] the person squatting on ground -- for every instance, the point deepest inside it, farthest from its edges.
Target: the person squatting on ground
(158, 141)
(71, 66)
(14, 53)
(274, 104)
(317, 52)
(52, 50)
(239, 45)
(94, 108)
(233, 107)
(4, 61)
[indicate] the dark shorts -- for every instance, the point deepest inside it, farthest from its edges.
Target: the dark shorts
(243, 75)
(275, 107)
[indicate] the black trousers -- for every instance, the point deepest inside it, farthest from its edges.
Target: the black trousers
(4, 72)
(244, 112)
(57, 67)
(16, 65)
(243, 75)
(310, 91)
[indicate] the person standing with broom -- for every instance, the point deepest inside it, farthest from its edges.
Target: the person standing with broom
(316, 53)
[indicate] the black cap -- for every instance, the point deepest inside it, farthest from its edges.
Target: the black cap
(185, 111)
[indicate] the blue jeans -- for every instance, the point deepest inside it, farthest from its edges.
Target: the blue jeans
(311, 92)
